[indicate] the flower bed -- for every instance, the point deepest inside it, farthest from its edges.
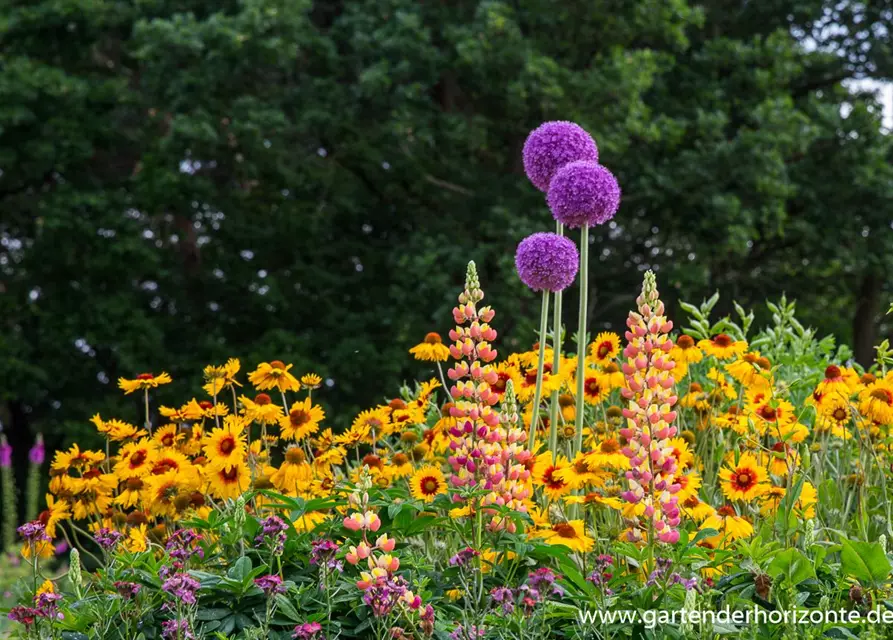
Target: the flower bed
(660, 472)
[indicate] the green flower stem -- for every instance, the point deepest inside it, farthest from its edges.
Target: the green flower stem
(581, 334)
(538, 392)
(556, 361)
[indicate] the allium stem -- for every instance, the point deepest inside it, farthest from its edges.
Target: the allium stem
(556, 361)
(540, 365)
(581, 335)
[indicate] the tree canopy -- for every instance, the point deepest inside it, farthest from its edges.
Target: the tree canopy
(182, 181)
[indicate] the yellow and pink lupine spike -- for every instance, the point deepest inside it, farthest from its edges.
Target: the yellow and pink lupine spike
(486, 451)
(649, 414)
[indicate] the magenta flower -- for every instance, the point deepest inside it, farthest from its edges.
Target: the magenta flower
(551, 146)
(37, 454)
(270, 584)
(308, 631)
(5, 454)
(583, 193)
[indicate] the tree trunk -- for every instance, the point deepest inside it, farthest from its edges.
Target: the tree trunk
(864, 327)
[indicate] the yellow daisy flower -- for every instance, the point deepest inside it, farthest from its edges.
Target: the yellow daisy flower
(605, 348)
(744, 480)
(142, 382)
(262, 409)
(571, 534)
(311, 381)
(876, 402)
(221, 377)
(231, 482)
(431, 349)
(723, 347)
(546, 475)
(274, 375)
(686, 351)
(302, 420)
(427, 483)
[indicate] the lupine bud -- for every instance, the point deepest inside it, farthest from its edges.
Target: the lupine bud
(74, 571)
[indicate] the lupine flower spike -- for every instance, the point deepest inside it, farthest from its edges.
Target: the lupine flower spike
(484, 452)
(649, 415)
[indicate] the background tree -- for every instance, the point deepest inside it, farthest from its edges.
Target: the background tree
(188, 180)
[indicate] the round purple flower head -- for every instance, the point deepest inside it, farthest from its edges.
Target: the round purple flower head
(583, 193)
(551, 146)
(547, 261)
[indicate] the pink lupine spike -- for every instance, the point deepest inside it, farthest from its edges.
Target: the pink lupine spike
(649, 392)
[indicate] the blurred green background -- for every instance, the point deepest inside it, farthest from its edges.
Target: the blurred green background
(183, 181)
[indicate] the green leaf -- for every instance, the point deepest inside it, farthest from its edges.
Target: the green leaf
(241, 569)
(286, 608)
(865, 561)
(792, 565)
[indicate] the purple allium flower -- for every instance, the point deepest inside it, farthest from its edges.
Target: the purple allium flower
(5, 455)
(463, 557)
(107, 538)
(127, 590)
(583, 193)
(182, 586)
(547, 261)
(551, 146)
(270, 584)
(33, 532)
(308, 631)
(37, 454)
(171, 629)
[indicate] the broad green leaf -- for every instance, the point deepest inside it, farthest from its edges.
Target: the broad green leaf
(865, 561)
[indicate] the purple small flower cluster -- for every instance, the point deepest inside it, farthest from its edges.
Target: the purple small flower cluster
(473, 632)
(322, 554)
(128, 590)
(46, 607)
(183, 587)
(540, 585)
(108, 539)
(504, 598)
(427, 620)
(464, 557)
(33, 532)
(270, 584)
(661, 574)
(184, 544)
(176, 629)
(601, 574)
(273, 534)
(23, 615)
(384, 595)
(308, 631)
